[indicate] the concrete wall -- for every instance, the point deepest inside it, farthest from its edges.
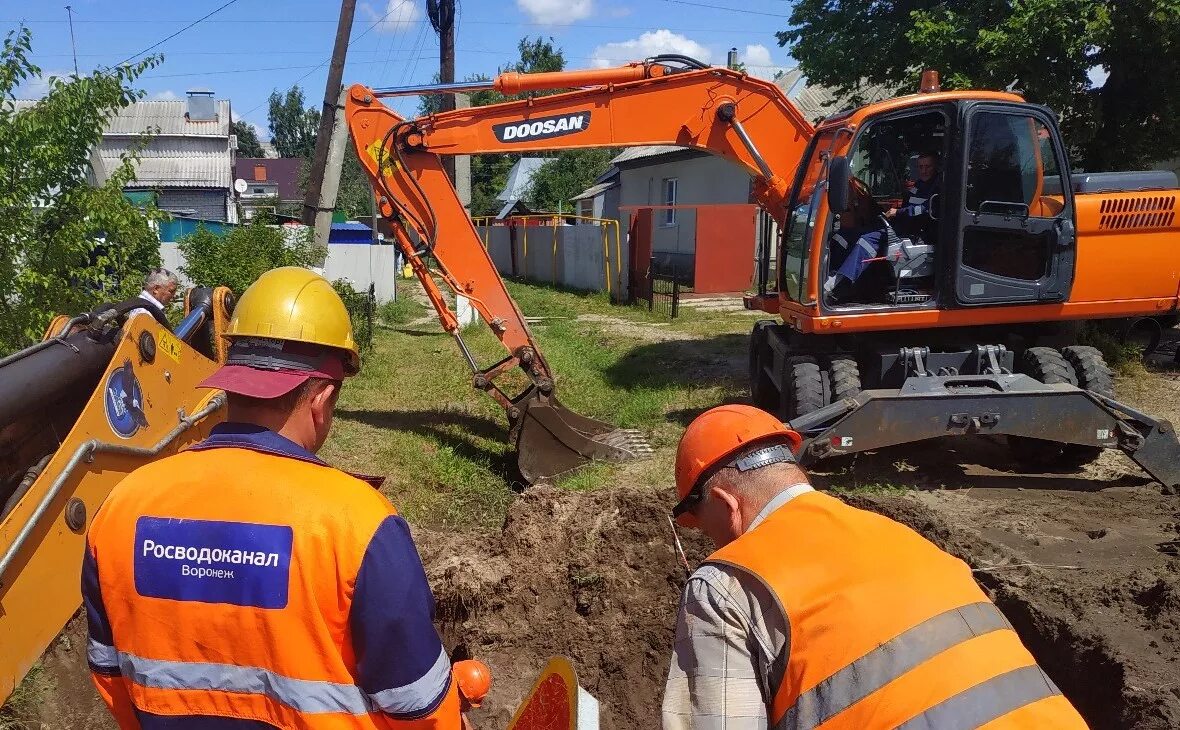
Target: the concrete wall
(205, 203)
(701, 180)
(361, 264)
(579, 262)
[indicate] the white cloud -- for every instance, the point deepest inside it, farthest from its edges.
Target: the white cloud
(757, 55)
(556, 12)
(759, 63)
(650, 43)
(38, 86)
(165, 95)
(1098, 76)
(398, 15)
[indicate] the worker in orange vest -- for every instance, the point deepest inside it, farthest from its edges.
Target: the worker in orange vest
(244, 582)
(812, 613)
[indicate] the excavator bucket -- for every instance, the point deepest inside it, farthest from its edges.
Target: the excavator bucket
(552, 440)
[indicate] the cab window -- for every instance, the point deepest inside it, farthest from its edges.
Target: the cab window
(801, 218)
(1009, 157)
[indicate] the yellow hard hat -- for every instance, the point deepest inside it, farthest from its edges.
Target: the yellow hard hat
(296, 305)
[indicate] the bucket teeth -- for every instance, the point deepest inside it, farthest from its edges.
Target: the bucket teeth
(552, 440)
(629, 440)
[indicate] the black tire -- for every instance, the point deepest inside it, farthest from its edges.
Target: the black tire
(803, 387)
(844, 375)
(1049, 366)
(1090, 369)
(763, 393)
(1094, 375)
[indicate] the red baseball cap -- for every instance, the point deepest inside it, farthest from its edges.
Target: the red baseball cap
(261, 367)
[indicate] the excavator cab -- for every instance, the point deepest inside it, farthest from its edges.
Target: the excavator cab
(932, 206)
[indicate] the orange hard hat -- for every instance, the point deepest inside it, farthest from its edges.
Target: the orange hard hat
(474, 680)
(717, 434)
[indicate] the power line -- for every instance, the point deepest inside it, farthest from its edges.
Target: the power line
(157, 44)
(727, 9)
(313, 69)
(278, 21)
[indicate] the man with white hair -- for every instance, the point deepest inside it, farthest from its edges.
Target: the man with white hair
(159, 287)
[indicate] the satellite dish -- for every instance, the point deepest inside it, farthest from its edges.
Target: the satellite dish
(240, 185)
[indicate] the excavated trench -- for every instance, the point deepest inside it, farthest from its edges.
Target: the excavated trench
(593, 576)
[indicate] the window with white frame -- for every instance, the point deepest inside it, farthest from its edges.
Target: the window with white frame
(669, 188)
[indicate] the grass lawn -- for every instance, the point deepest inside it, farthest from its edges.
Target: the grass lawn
(412, 415)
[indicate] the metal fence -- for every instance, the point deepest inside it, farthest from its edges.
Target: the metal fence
(580, 252)
(663, 296)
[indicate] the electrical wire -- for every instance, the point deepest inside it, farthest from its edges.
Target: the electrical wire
(313, 69)
(728, 9)
(159, 43)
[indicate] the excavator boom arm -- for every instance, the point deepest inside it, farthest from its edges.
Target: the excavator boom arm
(712, 109)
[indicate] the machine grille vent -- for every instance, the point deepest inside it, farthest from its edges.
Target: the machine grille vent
(1149, 211)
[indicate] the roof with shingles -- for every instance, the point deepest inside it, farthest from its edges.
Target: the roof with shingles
(168, 118)
(177, 153)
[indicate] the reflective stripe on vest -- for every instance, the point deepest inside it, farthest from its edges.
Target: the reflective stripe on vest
(302, 695)
(879, 637)
(986, 701)
(890, 660)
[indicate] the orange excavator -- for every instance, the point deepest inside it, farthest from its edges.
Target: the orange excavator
(911, 306)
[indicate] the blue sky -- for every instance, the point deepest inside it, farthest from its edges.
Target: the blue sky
(252, 46)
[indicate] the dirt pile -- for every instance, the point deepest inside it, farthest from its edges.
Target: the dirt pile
(1081, 579)
(591, 575)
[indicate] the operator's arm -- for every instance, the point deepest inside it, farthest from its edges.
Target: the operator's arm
(723, 655)
(401, 662)
(100, 649)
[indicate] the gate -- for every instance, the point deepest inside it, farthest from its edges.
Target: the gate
(663, 295)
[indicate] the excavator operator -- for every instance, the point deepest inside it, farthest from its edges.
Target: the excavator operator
(855, 246)
(812, 612)
(913, 218)
(244, 582)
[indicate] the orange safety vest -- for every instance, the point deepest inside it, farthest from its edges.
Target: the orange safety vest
(281, 653)
(886, 630)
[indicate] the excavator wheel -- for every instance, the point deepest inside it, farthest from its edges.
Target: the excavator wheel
(802, 387)
(1050, 366)
(844, 376)
(1094, 375)
(763, 393)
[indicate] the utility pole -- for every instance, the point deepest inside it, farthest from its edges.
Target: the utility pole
(73, 47)
(442, 18)
(317, 209)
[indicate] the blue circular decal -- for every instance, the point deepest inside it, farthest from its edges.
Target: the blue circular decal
(124, 402)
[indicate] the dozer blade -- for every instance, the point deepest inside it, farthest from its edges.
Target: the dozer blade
(551, 440)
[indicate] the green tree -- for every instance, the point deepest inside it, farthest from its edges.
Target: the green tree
(66, 245)
(1045, 48)
(354, 195)
(293, 127)
(242, 255)
(489, 173)
(571, 172)
(248, 144)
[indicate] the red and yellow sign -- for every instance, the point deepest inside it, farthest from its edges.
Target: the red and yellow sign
(556, 702)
